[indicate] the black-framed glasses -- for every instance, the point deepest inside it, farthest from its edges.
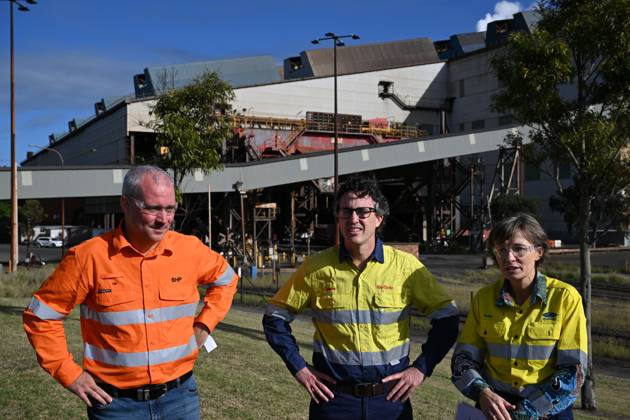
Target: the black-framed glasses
(154, 210)
(362, 212)
(519, 251)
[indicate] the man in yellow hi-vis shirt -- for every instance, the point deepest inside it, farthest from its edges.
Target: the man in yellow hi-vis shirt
(361, 294)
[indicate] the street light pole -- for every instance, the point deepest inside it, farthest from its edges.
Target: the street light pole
(13, 251)
(63, 200)
(337, 42)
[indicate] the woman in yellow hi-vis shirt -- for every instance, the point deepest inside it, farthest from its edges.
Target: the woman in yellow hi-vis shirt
(523, 348)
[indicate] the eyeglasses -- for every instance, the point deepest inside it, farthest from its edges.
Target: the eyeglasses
(362, 212)
(519, 251)
(154, 210)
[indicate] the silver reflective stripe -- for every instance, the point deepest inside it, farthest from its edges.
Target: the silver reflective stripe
(449, 310)
(467, 378)
(476, 354)
(278, 312)
(520, 351)
(139, 316)
(571, 357)
(367, 316)
(355, 358)
(539, 401)
(43, 311)
(142, 358)
(225, 278)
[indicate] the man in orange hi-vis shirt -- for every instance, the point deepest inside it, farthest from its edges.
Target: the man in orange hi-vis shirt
(137, 287)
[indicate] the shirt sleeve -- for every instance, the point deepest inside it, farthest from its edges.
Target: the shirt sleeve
(292, 297)
(432, 301)
(468, 357)
(560, 390)
(220, 281)
(44, 318)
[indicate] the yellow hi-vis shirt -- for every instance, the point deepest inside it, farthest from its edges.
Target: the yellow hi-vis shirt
(361, 318)
(519, 346)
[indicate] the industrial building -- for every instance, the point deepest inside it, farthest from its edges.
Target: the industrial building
(414, 114)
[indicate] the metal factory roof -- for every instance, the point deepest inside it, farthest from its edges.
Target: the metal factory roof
(470, 41)
(370, 57)
(238, 72)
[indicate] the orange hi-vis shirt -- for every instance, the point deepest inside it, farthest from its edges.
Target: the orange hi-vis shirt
(137, 311)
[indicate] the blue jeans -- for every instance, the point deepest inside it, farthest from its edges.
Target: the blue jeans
(346, 406)
(179, 403)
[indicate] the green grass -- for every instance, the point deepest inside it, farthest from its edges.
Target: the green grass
(243, 378)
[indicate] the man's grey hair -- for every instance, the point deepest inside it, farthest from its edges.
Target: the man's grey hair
(131, 185)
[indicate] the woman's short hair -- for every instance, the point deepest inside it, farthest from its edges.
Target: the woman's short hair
(526, 224)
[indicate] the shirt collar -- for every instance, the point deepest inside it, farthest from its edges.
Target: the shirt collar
(377, 254)
(539, 292)
(120, 242)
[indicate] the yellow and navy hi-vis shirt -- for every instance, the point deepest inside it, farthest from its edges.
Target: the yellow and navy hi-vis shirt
(514, 349)
(361, 318)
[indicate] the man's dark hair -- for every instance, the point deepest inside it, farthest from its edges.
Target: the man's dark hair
(363, 187)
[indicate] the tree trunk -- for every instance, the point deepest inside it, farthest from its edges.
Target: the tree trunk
(584, 211)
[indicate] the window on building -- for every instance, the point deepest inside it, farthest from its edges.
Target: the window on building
(462, 87)
(478, 124)
(462, 126)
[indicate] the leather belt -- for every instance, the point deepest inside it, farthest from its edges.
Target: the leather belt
(146, 392)
(363, 389)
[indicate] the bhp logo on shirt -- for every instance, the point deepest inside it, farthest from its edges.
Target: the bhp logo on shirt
(384, 287)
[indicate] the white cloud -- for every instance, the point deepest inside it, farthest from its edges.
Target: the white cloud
(502, 10)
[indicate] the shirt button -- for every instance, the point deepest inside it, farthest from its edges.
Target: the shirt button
(515, 363)
(515, 337)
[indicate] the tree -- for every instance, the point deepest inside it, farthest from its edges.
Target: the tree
(569, 82)
(191, 124)
(31, 213)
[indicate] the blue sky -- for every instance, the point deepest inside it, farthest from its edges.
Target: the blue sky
(71, 53)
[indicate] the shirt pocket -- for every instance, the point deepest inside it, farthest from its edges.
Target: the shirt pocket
(544, 331)
(389, 299)
(331, 301)
(176, 289)
(110, 290)
(492, 331)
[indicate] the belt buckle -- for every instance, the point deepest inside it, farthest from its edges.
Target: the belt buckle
(158, 391)
(364, 389)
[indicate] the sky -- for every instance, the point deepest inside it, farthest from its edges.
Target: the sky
(71, 53)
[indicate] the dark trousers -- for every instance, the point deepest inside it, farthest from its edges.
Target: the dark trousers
(347, 406)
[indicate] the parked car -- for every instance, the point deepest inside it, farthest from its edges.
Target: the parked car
(47, 241)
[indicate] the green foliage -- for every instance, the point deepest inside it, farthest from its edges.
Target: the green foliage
(191, 123)
(569, 81)
(5, 209)
(506, 205)
(30, 213)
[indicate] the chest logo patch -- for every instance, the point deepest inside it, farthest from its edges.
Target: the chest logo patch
(384, 287)
(547, 316)
(104, 291)
(176, 279)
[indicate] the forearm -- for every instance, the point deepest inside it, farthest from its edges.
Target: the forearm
(553, 395)
(466, 375)
(440, 339)
(217, 303)
(280, 338)
(49, 342)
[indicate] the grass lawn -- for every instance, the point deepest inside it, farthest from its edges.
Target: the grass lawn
(242, 379)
